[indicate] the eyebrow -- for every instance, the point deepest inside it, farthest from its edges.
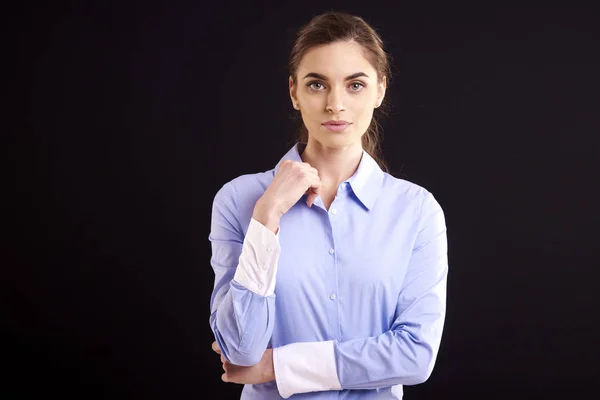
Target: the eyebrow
(324, 78)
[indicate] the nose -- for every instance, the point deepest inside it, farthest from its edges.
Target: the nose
(335, 103)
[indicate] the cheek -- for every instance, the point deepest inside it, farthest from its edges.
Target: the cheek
(314, 102)
(312, 108)
(363, 113)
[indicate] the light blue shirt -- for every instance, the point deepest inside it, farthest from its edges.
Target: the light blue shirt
(359, 290)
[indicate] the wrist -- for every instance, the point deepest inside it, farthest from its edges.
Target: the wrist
(269, 367)
(265, 213)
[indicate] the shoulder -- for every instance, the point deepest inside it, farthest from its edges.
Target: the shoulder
(408, 194)
(236, 198)
(244, 186)
(403, 189)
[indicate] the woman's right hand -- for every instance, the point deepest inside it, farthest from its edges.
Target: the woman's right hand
(292, 180)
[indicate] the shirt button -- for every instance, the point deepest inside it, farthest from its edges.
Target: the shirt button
(331, 251)
(332, 296)
(333, 211)
(264, 266)
(270, 249)
(259, 285)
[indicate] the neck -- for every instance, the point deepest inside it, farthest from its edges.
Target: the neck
(335, 164)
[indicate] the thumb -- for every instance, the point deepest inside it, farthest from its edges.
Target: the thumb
(310, 199)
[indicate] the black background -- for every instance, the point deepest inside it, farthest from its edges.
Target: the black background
(138, 112)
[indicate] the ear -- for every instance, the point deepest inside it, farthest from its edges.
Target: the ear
(292, 88)
(381, 87)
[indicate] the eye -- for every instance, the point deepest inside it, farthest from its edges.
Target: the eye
(356, 86)
(316, 86)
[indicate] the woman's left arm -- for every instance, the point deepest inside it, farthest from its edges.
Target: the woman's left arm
(405, 354)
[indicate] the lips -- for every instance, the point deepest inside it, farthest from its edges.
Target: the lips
(336, 126)
(336, 123)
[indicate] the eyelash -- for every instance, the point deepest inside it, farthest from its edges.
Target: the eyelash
(309, 85)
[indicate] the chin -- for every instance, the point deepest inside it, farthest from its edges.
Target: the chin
(338, 140)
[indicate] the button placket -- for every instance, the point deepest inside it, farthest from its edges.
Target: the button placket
(333, 220)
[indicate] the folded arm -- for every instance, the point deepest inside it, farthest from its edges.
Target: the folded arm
(403, 355)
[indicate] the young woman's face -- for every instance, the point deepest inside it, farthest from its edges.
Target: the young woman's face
(335, 82)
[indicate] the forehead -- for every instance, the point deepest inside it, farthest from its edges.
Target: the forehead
(338, 59)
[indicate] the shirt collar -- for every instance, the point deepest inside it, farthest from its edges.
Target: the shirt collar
(365, 183)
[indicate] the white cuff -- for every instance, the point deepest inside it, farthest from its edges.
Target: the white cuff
(305, 367)
(257, 268)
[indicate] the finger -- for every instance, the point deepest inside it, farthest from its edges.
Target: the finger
(311, 198)
(315, 186)
(305, 167)
(313, 191)
(309, 167)
(224, 377)
(223, 359)
(285, 164)
(311, 176)
(311, 170)
(311, 185)
(215, 347)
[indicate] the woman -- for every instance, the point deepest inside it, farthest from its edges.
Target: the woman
(330, 274)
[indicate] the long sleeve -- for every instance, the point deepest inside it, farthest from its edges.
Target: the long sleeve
(403, 355)
(245, 266)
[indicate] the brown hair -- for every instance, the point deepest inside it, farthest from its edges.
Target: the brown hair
(336, 26)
